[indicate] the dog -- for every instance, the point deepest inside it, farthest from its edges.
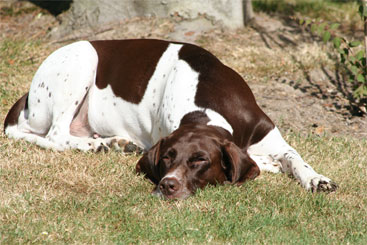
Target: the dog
(196, 118)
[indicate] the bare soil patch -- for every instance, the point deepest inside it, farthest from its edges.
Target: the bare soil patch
(293, 77)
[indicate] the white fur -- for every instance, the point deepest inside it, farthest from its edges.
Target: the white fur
(57, 90)
(168, 97)
(69, 75)
(273, 149)
(177, 174)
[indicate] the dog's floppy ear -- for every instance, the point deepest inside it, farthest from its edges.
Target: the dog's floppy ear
(237, 164)
(148, 164)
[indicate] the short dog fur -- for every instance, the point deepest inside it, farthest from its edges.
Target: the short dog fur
(196, 118)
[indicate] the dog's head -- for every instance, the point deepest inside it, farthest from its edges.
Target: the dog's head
(193, 156)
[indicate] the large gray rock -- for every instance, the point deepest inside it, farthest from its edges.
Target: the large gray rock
(93, 13)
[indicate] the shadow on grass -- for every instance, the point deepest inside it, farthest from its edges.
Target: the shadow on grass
(331, 86)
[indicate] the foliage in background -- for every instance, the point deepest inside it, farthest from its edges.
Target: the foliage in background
(325, 18)
(352, 55)
(71, 197)
(327, 9)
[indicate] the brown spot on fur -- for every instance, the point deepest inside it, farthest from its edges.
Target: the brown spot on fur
(214, 76)
(14, 112)
(128, 62)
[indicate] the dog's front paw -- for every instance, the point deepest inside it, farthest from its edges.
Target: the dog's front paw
(322, 183)
(132, 148)
(101, 147)
(125, 146)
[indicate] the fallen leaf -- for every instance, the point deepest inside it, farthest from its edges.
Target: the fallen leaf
(189, 33)
(320, 130)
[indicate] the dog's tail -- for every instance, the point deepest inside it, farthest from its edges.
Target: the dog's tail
(13, 114)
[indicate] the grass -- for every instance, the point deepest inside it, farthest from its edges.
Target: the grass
(84, 198)
(330, 10)
(74, 197)
(13, 12)
(344, 12)
(15, 72)
(96, 198)
(252, 58)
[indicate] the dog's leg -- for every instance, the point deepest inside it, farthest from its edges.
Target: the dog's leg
(17, 125)
(267, 163)
(58, 88)
(274, 146)
(122, 145)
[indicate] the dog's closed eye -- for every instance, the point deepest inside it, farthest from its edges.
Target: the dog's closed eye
(197, 161)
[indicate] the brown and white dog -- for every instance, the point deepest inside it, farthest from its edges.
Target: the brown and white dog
(196, 117)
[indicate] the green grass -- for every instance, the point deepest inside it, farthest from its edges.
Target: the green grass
(83, 198)
(18, 61)
(96, 198)
(13, 12)
(331, 10)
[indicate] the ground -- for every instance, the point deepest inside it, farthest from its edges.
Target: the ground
(77, 197)
(293, 77)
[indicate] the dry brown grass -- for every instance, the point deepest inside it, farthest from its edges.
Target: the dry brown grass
(75, 197)
(259, 56)
(80, 197)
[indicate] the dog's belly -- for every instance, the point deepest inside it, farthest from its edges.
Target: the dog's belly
(169, 96)
(144, 123)
(110, 115)
(164, 104)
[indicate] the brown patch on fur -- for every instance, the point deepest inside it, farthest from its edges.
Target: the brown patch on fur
(127, 65)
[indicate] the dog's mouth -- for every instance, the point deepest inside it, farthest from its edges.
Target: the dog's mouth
(178, 195)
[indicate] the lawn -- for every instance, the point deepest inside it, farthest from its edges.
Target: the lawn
(86, 198)
(74, 197)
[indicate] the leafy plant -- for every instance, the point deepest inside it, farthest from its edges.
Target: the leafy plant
(352, 54)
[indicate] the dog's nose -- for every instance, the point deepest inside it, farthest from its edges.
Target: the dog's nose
(169, 186)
